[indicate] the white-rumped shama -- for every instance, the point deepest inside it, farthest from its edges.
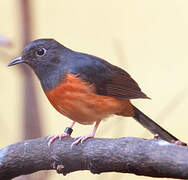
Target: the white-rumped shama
(85, 88)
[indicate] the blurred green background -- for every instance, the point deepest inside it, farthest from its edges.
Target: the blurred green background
(147, 38)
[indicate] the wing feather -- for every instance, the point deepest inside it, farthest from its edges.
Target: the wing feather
(109, 80)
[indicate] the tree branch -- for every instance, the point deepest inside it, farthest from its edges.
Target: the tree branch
(156, 158)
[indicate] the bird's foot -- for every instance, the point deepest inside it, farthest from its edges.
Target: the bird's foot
(80, 139)
(52, 138)
(156, 136)
(178, 142)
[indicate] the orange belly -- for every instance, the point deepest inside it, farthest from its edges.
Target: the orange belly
(78, 101)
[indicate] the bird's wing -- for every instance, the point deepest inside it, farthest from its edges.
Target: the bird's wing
(109, 80)
(121, 85)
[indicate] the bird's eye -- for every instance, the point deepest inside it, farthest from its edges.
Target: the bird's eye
(41, 52)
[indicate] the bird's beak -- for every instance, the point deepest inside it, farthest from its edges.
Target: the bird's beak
(15, 61)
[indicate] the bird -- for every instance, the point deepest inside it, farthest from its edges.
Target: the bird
(85, 88)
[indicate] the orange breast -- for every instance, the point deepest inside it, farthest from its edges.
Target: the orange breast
(78, 101)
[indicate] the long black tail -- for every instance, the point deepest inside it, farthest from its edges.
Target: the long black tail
(152, 126)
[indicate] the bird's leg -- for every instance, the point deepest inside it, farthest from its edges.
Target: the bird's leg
(87, 136)
(66, 133)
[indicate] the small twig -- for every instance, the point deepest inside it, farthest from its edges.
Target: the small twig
(155, 158)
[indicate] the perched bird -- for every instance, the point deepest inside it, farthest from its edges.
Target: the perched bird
(85, 88)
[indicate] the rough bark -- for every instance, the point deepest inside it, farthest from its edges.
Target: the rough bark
(155, 158)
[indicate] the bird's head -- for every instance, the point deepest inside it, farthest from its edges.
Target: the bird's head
(40, 52)
(45, 56)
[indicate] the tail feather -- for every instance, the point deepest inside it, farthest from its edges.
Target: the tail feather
(152, 126)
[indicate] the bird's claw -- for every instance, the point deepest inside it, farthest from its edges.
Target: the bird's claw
(156, 136)
(52, 138)
(81, 139)
(178, 142)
